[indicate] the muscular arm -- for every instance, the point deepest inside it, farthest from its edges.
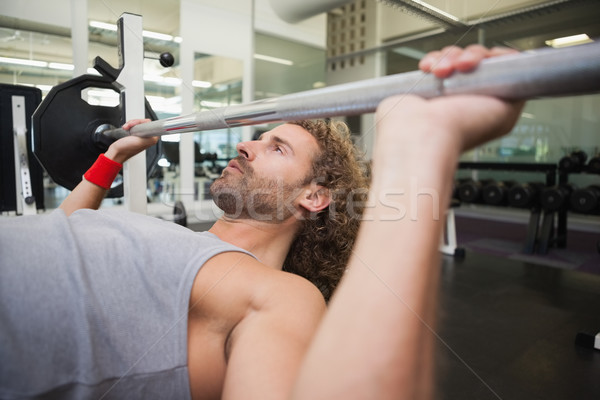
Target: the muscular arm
(267, 346)
(89, 195)
(376, 340)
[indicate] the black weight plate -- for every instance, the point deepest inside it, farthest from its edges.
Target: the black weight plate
(63, 127)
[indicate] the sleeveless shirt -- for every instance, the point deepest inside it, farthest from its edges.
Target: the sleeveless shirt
(95, 305)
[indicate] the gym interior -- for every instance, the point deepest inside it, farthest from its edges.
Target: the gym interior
(519, 304)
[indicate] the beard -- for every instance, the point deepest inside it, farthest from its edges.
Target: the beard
(247, 196)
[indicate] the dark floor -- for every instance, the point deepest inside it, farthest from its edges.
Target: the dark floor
(507, 330)
(580, 251)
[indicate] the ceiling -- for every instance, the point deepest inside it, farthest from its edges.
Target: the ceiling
(159, 15)
(522, 30)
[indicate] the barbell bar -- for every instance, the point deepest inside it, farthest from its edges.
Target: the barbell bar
(544, 72)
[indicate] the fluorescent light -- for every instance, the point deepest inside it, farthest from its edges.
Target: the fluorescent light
(201, 84)
(569, 40)
(148, 34)
(273, 59)
(22, 61)
(156, 35)
(65, 67)
(103, 25)
(36, 63)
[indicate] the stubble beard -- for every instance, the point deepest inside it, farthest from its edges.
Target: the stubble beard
(246, 196)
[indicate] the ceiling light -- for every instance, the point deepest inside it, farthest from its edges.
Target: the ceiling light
(22, 61)
(148, 34)
(103, 25)
(156, 35)
(273, 59)
(569, 40)
(201, 84)
(65, 67)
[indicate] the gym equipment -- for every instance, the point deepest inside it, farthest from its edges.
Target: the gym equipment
(65, 135)
(586, 200)
(21, 176)
(525, 195)
(179, 214)
(166, 59)
(471, 191)
(588, 340)
(555, 198)
(496, 193)
(593, 165)
(571, 70)
(574, 162)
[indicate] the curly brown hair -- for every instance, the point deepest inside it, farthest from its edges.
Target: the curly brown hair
(322, 247)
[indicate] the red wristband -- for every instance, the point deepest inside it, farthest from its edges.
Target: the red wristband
(103, 172)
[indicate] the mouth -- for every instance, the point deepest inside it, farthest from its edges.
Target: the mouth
(233, 164)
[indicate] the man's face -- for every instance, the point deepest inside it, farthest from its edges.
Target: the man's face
(266, 179)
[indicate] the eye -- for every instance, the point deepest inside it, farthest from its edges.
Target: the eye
(278, 149)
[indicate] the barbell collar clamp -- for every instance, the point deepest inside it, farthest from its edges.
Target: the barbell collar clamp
(105, 134)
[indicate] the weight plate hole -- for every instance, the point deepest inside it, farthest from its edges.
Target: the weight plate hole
(100, 97)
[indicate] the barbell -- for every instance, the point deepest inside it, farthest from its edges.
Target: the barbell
(545, 72)
(541, 73)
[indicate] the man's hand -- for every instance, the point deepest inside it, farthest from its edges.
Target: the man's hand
(451, 123)
(443, 63)
(89, 195)
(127, 147)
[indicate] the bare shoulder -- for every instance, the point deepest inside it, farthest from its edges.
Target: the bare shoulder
(281, 316)
(251, 285)
(242, 311)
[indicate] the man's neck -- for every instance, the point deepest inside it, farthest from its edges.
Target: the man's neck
(269, 242)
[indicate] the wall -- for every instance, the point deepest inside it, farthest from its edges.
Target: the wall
(55, 12)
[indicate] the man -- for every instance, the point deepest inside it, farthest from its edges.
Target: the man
(240, 327)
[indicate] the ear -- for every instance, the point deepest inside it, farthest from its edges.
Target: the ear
(315, 198)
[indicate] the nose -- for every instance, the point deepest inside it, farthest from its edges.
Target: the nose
(245, 150)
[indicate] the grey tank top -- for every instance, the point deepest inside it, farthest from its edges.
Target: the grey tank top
(95, 305)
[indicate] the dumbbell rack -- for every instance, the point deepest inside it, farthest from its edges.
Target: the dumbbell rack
(553, 227)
